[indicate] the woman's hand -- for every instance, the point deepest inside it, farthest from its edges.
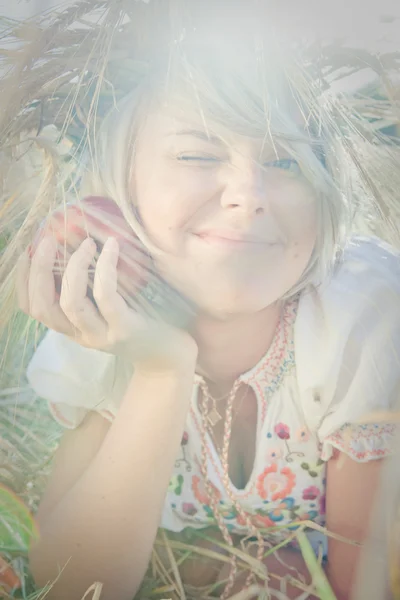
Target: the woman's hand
(109, 325)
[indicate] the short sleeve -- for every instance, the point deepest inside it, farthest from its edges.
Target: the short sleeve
(347, 341)
(75, 380)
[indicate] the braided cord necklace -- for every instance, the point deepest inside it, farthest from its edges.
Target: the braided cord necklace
(212, 493)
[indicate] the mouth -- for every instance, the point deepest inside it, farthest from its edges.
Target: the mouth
(231, 238)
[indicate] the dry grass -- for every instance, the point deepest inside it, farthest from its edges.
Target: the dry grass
(68, 71)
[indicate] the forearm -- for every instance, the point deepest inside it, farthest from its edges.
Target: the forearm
(106, 524)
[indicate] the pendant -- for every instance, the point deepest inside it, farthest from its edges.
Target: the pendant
(213, 417)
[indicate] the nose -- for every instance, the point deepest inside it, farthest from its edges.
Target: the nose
(245, 190)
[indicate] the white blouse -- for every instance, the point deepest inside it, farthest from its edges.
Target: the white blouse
(333, 363)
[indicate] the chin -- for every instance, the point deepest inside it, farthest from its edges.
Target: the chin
(225, 307)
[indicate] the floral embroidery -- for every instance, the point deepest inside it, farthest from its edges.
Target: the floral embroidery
(302, 434)
(189, 509)
(209, 512)
(278, 513)
(283, 433)
(279, 360)
(311, 493)
(228, 511)
(313, 471)
(287, 486)
(309, 515)
(362, 441)
(179, 461)
(274, 485)
(262, 521)
(200, 492)
(176, 484)
(273, 454)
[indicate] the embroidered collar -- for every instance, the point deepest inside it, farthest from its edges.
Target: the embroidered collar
(273, 361)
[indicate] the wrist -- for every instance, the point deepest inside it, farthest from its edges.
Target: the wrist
(177, 364)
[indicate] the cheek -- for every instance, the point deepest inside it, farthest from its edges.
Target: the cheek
(160, 206)
(296, 214)
(170, 202)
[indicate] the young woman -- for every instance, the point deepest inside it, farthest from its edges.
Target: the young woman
(250, 414)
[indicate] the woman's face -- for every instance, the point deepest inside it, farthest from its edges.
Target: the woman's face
(235, 219)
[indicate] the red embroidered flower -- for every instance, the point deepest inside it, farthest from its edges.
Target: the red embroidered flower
(311, 493)
(282, 431)
(189, 508)
(200, 492)
(275, 485)
(185, 438)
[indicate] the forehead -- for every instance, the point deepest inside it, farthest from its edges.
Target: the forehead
(174, 122)
(168, 129)
(173, 125)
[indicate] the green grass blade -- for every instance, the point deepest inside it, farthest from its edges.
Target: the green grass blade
(319, 578)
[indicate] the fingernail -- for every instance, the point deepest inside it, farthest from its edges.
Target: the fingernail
(90, 244)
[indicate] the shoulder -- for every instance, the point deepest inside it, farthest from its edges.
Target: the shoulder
(364, 285)
(350, 325)
(367, 264)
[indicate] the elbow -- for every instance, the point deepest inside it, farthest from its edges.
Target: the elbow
(48, 577)
(37, 570)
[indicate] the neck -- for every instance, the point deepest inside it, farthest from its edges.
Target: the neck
(228, 348)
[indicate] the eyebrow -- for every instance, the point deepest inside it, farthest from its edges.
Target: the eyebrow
(202, 135)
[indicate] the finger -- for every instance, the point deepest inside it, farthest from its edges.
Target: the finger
(105, 287)
(22, 281)
(73, 299)
(41, 279)
(43, 301)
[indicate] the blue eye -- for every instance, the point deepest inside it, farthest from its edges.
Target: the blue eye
(285, 164)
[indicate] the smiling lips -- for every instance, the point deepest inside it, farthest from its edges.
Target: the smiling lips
(230, 237)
